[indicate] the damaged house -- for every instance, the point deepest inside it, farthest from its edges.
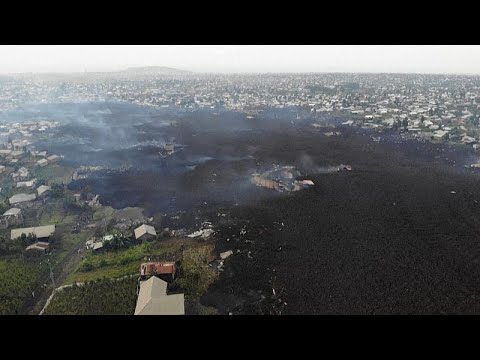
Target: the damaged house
(11, 217)
(163, 269)
(21, 175)
(281, 179)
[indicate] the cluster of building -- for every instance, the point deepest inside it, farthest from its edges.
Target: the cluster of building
(142, 233)
(438, 106)
(41, 234)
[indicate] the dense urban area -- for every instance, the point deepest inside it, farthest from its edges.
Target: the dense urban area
(118, 188)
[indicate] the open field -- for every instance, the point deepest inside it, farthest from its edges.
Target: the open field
(123, 262)
(101, 297)
(18, 279)
(54, 173)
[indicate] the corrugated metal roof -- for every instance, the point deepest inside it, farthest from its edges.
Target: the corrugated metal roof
(165, 267)
(18, 198)
(167, 305)
(42, 188)
(12, 211)
(39, 231)
(38, 246)
(153, 299)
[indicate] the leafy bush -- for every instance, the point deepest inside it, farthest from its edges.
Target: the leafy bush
(195, 276)
(17, 281)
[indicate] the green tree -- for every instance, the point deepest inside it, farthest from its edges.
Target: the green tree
(57, 191)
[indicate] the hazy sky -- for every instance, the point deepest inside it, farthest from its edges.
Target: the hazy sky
(235, 58)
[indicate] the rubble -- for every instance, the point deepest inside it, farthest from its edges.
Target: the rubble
(226, 254)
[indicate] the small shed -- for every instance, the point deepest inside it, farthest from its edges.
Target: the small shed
(163, 269)
(42, 162)
(145, 232)
(41, 232)
(39, 246)
(43, 189)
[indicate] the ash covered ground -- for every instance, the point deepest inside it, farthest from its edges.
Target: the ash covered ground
(399, 234)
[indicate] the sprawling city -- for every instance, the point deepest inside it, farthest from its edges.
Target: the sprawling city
(158, 191)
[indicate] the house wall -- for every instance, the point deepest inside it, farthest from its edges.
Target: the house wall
(146, 237)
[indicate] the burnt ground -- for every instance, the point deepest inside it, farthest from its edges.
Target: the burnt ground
(389, 237)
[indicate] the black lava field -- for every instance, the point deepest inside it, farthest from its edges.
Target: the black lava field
(399, 234)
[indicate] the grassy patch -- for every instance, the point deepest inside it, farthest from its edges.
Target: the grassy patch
(121, 262)
(71, 241)
(54, 173)
(104, 212)
(195, 275)
(17, 281)
(102, 297)
(110, 272)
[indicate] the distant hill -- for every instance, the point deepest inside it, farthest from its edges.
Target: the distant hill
(154, 70)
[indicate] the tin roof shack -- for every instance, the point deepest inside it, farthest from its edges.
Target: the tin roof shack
(21, 199)
(27, 184)
(5, 152)
(42, 233)
(153, 299)
(145, 233)
(162, 269)
(17, 154)
(11, 217)
(53, 158)
(42, 162)
(39, 246)
(42, 190)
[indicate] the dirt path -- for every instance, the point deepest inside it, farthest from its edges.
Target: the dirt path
(60, 273)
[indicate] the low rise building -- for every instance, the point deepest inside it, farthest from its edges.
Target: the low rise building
(27, 184)
(145, 232)
(42, 162)
(21, 198)
(43, 190)
(11, 217)
(41, 232)
(153, 299)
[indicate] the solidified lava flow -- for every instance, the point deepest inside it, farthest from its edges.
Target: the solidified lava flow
(396, 235)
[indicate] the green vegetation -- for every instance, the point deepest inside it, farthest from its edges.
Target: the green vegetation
(120, 262)
(104, 212)
(57, 191)
(17, 281)
(195, 276)
(53, 174)
(53, 213)
(101, 297)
